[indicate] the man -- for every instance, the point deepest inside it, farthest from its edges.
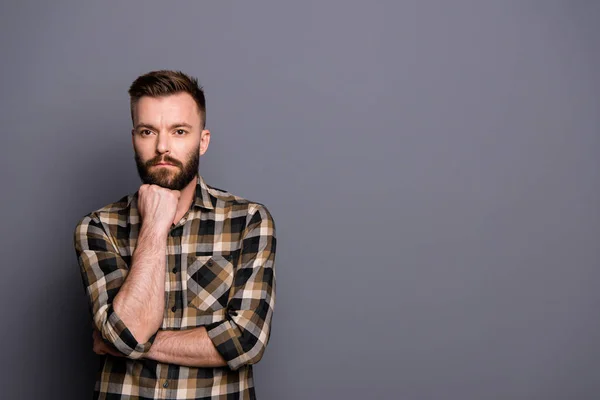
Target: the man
(179, 275)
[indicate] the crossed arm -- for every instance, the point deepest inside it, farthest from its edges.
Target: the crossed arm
(192, 348)
(110, 283)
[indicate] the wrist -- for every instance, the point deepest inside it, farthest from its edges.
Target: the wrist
(153, 232)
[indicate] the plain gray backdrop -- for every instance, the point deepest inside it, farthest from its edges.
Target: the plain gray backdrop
(432, 168)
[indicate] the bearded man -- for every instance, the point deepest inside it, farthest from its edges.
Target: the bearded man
(179, 275)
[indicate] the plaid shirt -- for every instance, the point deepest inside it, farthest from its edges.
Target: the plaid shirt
(220, 275)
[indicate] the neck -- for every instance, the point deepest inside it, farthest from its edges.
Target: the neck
(185, 199)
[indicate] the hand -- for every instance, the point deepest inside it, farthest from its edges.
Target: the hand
(157, 206)
(102, 348)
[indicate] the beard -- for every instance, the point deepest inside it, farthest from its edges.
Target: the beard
(166, 177)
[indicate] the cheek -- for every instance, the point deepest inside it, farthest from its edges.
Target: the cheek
(143, 149)
(184, 151)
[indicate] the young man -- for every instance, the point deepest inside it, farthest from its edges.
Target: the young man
(179, 275)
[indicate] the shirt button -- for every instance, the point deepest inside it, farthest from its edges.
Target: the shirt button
(173, 308)
(174, 270)
(166, 384)
(210, 263)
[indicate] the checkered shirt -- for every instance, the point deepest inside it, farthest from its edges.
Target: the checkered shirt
(220, 274)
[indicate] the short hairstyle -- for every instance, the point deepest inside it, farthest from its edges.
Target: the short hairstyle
(166, 82)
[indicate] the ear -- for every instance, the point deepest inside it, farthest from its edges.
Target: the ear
(204, 141)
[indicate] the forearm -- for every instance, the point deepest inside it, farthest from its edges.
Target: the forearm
(140, 300)
(192, 348)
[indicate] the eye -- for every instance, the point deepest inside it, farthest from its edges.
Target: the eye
(180, 132)
(145, 132)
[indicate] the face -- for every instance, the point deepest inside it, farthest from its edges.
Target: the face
(168, 140)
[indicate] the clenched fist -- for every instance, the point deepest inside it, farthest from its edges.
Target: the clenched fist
(157, 207)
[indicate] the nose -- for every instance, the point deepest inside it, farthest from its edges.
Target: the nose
(162, 144)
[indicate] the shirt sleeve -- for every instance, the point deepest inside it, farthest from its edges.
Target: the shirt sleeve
(103, 271)
(243, 336)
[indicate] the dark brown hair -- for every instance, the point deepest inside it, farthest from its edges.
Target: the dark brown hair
(164, 83)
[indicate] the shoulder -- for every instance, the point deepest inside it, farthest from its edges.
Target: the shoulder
(253, 209)
(111, 214)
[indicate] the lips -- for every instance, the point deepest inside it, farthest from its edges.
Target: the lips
(164, 162)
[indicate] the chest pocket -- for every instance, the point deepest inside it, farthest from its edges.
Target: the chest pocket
(209, 280)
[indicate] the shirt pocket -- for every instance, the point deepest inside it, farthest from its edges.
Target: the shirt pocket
(209, 280)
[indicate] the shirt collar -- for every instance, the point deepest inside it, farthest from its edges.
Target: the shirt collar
(203, 196)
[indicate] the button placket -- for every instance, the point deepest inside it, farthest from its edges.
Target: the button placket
(174, 252)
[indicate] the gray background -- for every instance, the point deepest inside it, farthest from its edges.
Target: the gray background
(432, 168)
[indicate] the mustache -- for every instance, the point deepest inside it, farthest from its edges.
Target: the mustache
(167, 159)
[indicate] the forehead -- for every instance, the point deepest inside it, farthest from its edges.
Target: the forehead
(179, 107)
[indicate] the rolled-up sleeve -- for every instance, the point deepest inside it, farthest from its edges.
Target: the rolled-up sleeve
(243, 336)
(103, 271)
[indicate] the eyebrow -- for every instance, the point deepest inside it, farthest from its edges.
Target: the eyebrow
(173, 126)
